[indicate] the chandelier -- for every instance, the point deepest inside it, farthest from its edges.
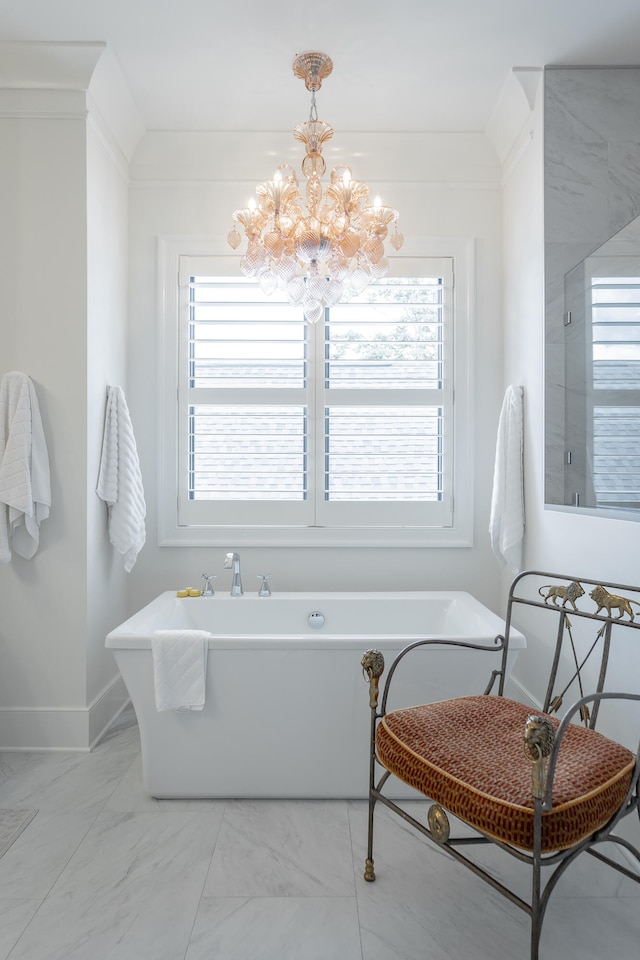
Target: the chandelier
(329, 251)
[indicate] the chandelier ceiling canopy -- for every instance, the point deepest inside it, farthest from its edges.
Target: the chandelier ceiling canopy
(327, 247)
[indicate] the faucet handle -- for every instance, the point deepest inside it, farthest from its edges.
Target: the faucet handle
(264, 590)
(208, 590)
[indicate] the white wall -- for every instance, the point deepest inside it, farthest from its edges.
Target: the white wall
(107, 227)
(43, 319)
(63, 309)
(444, 186)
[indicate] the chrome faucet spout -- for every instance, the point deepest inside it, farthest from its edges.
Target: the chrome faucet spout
(232, 562)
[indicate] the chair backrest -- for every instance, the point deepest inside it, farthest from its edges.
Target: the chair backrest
(588, 614)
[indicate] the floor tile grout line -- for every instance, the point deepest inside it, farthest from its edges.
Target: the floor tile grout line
(99, 811)
(62, 869)
(285, 896)
(204, 882)
(22, 933)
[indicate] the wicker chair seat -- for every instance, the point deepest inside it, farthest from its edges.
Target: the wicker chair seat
(467, 755)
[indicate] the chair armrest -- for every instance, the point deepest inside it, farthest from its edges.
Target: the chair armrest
(539, 740)
(562, 728)
(373, 664)
(372, 669)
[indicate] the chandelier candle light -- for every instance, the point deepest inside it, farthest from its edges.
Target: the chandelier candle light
(330, 251)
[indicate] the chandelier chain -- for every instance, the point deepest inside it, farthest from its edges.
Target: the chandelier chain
(313, 112)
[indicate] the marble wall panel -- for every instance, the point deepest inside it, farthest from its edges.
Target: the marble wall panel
(624, 178)
(592, 189)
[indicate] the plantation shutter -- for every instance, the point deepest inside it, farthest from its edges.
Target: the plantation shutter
(244, 403)
(345, 423)
(386, 438)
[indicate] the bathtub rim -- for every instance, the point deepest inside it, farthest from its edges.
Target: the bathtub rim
(135, 634)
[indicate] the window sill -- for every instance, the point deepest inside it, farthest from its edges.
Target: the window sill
(460, 536)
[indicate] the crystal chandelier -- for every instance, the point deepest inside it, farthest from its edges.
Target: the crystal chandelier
(329, 251)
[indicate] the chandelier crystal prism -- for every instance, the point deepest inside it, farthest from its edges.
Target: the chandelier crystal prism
(323, 249)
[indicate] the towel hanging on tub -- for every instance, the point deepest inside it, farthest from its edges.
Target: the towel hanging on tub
(180, 669)
(25, 483)
(120, 480)
(506, 524)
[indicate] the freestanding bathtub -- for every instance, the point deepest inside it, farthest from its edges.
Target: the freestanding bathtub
(287, 710)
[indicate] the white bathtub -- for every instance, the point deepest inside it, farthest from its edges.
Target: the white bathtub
(287, 710)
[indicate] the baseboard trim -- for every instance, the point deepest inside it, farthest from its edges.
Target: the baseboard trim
(112, 720)
(62, 728)
(522, 694)
(105, 709)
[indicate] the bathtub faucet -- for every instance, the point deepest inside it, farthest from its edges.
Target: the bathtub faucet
(232, 561)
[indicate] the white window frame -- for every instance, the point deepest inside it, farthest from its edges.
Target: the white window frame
(170, 531)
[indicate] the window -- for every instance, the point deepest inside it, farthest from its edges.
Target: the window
(339, 432)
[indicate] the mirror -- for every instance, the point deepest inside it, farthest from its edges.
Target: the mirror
(601, 470)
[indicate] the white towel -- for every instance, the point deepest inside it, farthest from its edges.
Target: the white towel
(506, 524)
(25, 483)
(120, 480)
(180, 668)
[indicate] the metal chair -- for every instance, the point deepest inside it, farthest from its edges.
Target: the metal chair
(543, 790)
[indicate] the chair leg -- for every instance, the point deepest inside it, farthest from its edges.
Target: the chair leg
(536, 915)
(372, 668)
(369, 872)
(537, 912)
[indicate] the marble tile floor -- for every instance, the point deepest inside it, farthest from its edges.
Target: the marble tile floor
(106, 873)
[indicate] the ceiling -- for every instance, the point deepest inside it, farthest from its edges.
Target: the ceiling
(399, 65)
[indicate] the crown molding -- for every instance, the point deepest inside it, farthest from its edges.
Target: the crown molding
(48, 66)
(510, 123)
(70, 80)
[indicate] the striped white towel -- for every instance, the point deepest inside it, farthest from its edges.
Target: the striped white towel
(120, 480)
(180, 668)
(506, 524)
(25, 484)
